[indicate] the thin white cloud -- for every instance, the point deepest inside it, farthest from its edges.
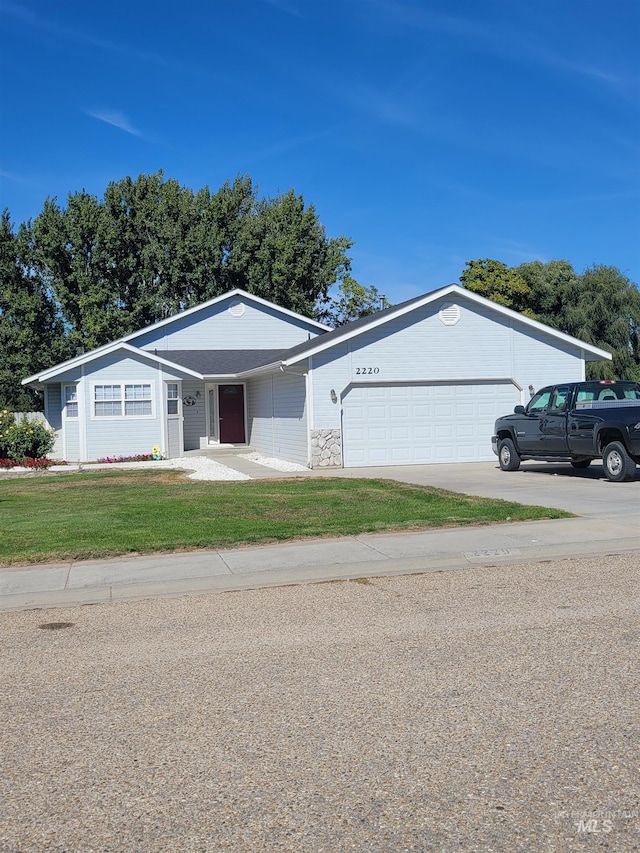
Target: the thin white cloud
(115, 119)
(501, 39)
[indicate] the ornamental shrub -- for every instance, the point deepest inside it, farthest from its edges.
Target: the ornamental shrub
(6, 420)
(24, 440)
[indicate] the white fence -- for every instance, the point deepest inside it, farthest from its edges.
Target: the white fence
(32, 417)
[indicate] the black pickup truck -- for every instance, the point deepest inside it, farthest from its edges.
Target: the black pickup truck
(575, 422)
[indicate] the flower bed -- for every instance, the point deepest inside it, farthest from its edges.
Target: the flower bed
(31, 464)
(139, 457)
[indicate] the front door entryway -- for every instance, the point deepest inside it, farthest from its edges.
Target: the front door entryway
(231, 414)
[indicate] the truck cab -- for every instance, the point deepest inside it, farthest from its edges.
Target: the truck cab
(575, 422)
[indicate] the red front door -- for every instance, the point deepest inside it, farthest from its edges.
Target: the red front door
(231, 414)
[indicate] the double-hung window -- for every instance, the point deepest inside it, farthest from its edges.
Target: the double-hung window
(71, 401)
(137, 399)
(116, 400)
(172, 398)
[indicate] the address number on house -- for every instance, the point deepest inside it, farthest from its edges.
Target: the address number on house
(367, 371)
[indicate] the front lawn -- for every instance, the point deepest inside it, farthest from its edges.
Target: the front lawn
(101, 514)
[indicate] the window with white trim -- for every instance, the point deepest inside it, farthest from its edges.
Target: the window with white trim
(137, 399)
(108, 400)
(172, 398)
(71, 401)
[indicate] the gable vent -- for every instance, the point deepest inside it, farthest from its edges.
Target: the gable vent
(449, 314)
(236, 309)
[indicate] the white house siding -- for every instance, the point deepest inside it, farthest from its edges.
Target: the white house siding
(195, 417)
(174, 448)
(53, 415)
(419, 349)
(540, 360)
(121, 436)
(72, 447)
(277, 416)
(215, 327)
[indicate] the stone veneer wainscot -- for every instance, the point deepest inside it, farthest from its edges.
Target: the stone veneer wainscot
(326, 448)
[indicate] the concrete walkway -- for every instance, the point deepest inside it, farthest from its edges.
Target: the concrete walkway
(608, 522)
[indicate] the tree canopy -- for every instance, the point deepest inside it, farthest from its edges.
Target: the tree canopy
(94, 269)
(601, 306)
(151, 248)
(31, 330)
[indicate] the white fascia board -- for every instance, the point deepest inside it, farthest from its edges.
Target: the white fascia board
(255, 371)
(444, 292)
(46, 375)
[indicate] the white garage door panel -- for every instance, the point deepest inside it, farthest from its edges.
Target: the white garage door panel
(422, 424)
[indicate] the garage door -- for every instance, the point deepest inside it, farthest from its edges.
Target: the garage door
(421, 424)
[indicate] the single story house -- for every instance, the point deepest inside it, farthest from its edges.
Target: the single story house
(420, 382)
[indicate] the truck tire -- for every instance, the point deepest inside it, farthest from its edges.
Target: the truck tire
(618, 465)
(580, 463)
(508, 455)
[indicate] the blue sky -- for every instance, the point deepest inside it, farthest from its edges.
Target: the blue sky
(430, 132)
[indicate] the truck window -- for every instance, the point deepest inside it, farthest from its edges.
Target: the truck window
(559, 399)
(607, 394)
(540, 402)
(585, 395)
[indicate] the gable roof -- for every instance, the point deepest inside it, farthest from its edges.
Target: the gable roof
(352, 330)
(39, 378)
(106, 349)
(201, 363)
(228, 295)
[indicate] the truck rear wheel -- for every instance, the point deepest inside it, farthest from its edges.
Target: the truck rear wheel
(508, 455)
(618, 465)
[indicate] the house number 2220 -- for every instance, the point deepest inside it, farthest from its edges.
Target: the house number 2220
(361, 371)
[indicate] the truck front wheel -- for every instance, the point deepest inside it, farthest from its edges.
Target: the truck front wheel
(618, 465)
(508, 455)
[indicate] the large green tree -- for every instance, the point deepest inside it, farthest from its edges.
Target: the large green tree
(151, 248)
(31, 330)
(601, 306)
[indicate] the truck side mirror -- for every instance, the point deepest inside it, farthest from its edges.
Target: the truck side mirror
(519, 410)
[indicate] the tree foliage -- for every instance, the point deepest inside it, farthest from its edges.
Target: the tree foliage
(601, 306)
(91, 270)
(151, 248)
(31, 330)
(354, 301)
(498, 282)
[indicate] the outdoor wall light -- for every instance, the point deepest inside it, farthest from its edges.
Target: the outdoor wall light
(532, 390)
(198, 394)
(334, 396)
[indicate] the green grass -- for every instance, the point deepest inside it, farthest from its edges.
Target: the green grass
(99, 514)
